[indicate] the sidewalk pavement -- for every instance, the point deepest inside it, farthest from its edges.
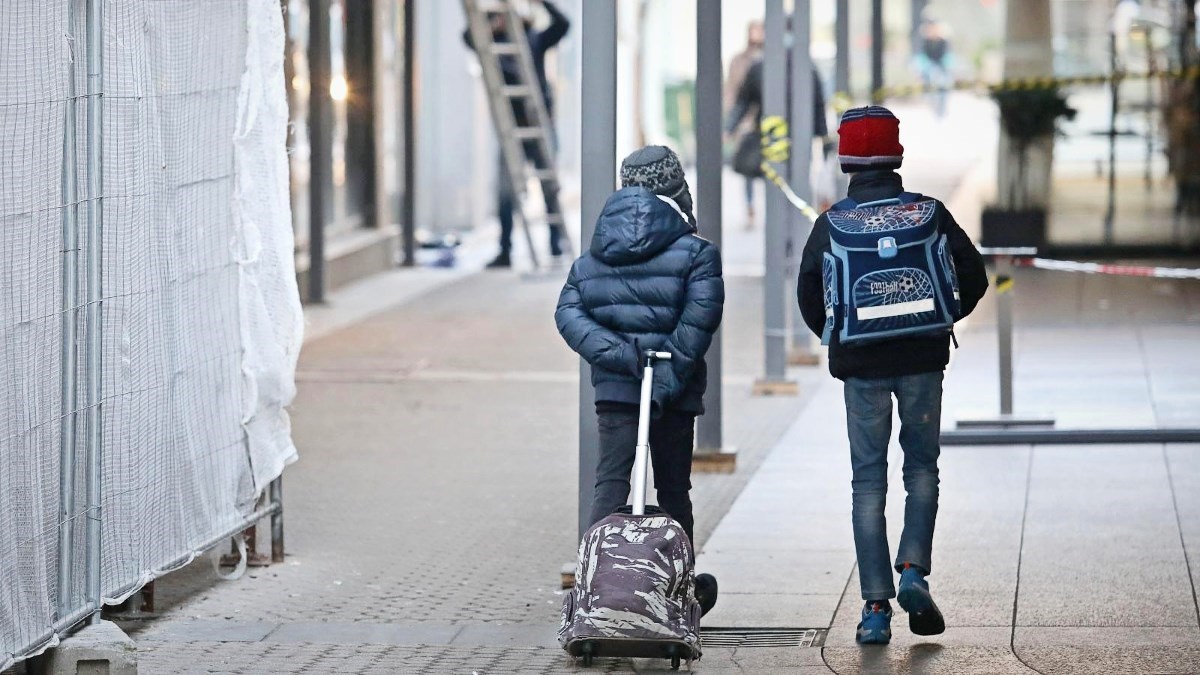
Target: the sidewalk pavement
(1051, 559)
(434, 502)
(433, 505)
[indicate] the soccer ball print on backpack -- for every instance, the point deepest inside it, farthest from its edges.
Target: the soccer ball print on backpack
(889, 272)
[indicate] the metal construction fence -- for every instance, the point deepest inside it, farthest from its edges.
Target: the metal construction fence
(149, 316)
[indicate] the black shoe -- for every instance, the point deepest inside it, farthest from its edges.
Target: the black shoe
(706, 592)
(500, 262)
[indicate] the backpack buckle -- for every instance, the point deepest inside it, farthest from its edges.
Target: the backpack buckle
(887, 247)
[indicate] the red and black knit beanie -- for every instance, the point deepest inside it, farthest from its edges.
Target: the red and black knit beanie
(869, 138)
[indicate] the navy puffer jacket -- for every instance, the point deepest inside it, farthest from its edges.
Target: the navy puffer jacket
(648, 282)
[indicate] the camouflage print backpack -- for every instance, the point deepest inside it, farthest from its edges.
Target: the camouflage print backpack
(634, 592)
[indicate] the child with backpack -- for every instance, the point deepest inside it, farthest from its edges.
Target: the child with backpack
(648, 282)
(884, 276)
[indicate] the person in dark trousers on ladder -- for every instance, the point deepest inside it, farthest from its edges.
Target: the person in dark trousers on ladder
(648, 283)
(909, 368)
(540, 42)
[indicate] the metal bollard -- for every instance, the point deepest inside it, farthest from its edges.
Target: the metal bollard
(1004, 328)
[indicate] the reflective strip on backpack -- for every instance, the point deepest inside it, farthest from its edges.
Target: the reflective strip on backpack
(895, 309)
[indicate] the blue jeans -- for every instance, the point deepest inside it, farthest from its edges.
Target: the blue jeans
(869, 421)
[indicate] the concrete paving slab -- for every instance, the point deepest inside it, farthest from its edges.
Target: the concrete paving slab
(1143, 590)
(792, 660)
(1093, 660)
(802, 503)
(510, 635)
(1183, 464)
(208, 630)
(322, 632)
(774, 610)
(927, 659)
(1101, 524)
(1093, 636)
(825, 535)
(779, 571)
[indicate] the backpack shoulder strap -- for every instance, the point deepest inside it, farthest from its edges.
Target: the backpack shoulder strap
(844, 205)
(910, 197)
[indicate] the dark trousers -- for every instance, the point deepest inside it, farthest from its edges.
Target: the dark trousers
(508, 201)
(671, 439)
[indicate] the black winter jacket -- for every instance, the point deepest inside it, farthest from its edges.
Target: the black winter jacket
(648, 282)
(901, 356)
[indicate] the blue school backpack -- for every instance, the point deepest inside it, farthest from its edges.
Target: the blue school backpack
(889, 272)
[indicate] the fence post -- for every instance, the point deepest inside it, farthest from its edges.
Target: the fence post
(408, 218)
(774, 380)
(1004, 328)
(877, 52)
(1004, 258)
(275, 495)
(599, 152)
(95, 335)
(69, 353)
(800, 351)
(320, 115)
(711, 453)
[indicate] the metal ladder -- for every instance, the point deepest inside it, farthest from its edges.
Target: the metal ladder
(501, 98)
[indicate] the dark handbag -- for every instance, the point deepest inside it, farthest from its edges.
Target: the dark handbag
(747, 159)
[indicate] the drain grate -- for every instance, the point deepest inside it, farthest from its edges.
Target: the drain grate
(738, 638)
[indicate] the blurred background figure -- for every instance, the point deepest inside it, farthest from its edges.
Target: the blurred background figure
(934, 62)
(540, 42)
(739, 68)
(748, 105)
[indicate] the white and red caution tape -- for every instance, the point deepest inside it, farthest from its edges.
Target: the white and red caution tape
(1106, 268)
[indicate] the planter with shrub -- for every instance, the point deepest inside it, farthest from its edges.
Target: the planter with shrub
(1028, 117)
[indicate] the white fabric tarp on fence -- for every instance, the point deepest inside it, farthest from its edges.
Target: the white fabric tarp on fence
(201, 316)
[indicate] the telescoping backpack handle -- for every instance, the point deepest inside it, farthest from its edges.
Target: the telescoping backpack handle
(642, 452)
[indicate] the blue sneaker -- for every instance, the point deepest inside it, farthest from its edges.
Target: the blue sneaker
(876, 625)
(924, 617)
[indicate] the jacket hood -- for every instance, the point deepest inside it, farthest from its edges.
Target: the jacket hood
(636, 225)
(872, 185)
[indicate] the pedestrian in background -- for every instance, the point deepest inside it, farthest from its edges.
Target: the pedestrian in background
(648, 282)
(739, 67)
(909, 367)
(540, 42)
(749, 105)
(934, 62)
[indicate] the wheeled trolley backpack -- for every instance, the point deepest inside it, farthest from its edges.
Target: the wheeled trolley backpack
(634, 592)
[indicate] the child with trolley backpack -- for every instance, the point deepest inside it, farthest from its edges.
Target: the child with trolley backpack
(641, 306)
(884, 276)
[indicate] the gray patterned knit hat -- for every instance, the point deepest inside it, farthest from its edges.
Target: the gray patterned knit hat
(657, 168)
